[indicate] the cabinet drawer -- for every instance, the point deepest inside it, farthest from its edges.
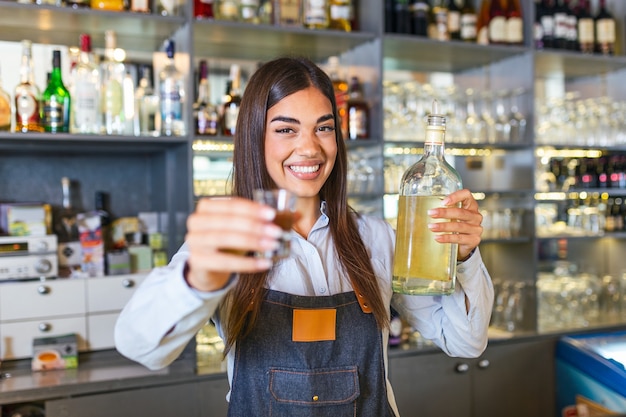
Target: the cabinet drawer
(100, 331)
(111, 293)
(29, 300)
(16, 339)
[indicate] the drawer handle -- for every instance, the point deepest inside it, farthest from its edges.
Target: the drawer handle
(43, 289)
(45, 327)
(483, 364)
(128, 283)
(461, 368)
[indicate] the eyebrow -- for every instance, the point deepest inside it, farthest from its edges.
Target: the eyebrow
(292, 120)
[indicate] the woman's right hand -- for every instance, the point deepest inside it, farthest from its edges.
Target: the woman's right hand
(220, 234)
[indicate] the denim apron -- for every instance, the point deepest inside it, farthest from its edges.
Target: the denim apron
(338, 375)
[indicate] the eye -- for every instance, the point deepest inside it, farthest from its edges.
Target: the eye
(284, 130)
(326, 128)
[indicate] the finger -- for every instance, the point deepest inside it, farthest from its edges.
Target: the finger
(464, 197)
(227, 262)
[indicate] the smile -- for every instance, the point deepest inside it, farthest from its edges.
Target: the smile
(304, 169)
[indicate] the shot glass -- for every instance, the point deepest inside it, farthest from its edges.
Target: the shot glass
(284, 202)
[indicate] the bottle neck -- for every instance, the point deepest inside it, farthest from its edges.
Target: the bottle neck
(434, 143)
(204, 92)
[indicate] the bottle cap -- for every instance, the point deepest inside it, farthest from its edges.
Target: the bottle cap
(435, 118)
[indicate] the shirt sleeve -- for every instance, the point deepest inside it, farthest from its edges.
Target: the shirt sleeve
(445, 319)
(163, 314)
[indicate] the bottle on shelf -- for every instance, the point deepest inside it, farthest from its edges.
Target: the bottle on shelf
(56, 100)
(454, 20)
(586, 31)
(482, 23)
(131, 116)
(514, 23)
(340, 85)
(420, 12)
(169, 7)
(497, 22)
(266, 12)
(287, 13)
(65, 226)
(5, 108)
(171, 95)
(341, 15)
(205, 116)
(547, 23)
(27, 96)
(78, 4)
(140, 6)
(315, 14)
(112, 72)
(147, 105)
(423, 266)
(203, 9)
(232, 102)
(468, 21)
(402, 16)
(102, 209)
(572, 26)
(438, 28)
(227, 10)
(110, 5)
(357, 111)
(605, 30)
(85, 91)
(537, 27)
(249, 11)
(561, 24)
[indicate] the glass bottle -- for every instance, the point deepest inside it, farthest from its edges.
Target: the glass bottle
(468, 21)
(171, 95)
(482, 23)
(5, 109)
(168, 7)
(586, 31)
(140, 6)
(110, 5)
(249, 11)
(112, 96)
(27, 95)
(131, 117)
(537, 27)
(65, 226)
(203, 9)
(315, 14)
(86, 91)
(572, 26)
(454, 20)
(341, 15)
(423, 266)
(56, 100)
(287, 13)
(357, 111)
(402, 16)
(438, 28)
(230, 109)
(227, 10)
(147, 104)
(561, 25)
(340, 85)
(514, 23)
(497, 22)
(204, 114)
(420, 11)
(547, 23)
(78, 4)
(266, 12)
(605, 30)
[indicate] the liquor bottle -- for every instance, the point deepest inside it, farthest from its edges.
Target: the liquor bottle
(537, 27)
(230, 109)
(65, 226)
(482, 23)
(131, 117)
(249, 11)
(227, 10)
(547, 23)
(78, 4)
(169, 7)
(497, 22)
(205, 116)
(468, 21)
(203, 9)
(287, 13)
(454, 20)
(27, 95)
(420, 11)
(112, 97)
(586, 31)
(390, 25)
(358, 112)
(140, 6)
(85, 91)
(423, 266)
(402, 16)
(514, 23)
(315, 14)
(110, 5)
(102, 209)
(266, 12)
(341, 15)
(171, 95)
(147, 105)
(438, 28)
(605, 30)
(572, 27)
(561, 23)
(5, 109)
(340, 85)
(56, 100)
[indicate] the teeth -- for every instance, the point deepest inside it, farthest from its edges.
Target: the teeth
(304, 169)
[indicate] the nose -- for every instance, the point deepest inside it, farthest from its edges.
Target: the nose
(308, 144)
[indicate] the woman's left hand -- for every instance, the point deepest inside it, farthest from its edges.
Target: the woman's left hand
(465, 225)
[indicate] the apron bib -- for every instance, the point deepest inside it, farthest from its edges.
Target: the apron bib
(310, 357)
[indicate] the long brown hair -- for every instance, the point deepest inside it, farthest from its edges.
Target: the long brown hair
(271, 83)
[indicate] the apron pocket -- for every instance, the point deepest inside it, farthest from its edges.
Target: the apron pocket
(313, 392)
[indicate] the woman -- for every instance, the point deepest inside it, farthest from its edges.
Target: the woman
(288, 136)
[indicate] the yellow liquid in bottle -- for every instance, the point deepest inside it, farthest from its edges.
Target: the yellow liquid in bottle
(421, 264)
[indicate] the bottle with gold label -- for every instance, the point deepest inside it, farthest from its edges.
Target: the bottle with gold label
(316, 14)
(423, 266)
(341, 15)
(5, 109)
(27, 95)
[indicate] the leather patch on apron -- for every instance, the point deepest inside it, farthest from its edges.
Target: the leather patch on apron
(314, 325)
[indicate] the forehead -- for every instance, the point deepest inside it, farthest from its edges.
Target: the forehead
(308, 102)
